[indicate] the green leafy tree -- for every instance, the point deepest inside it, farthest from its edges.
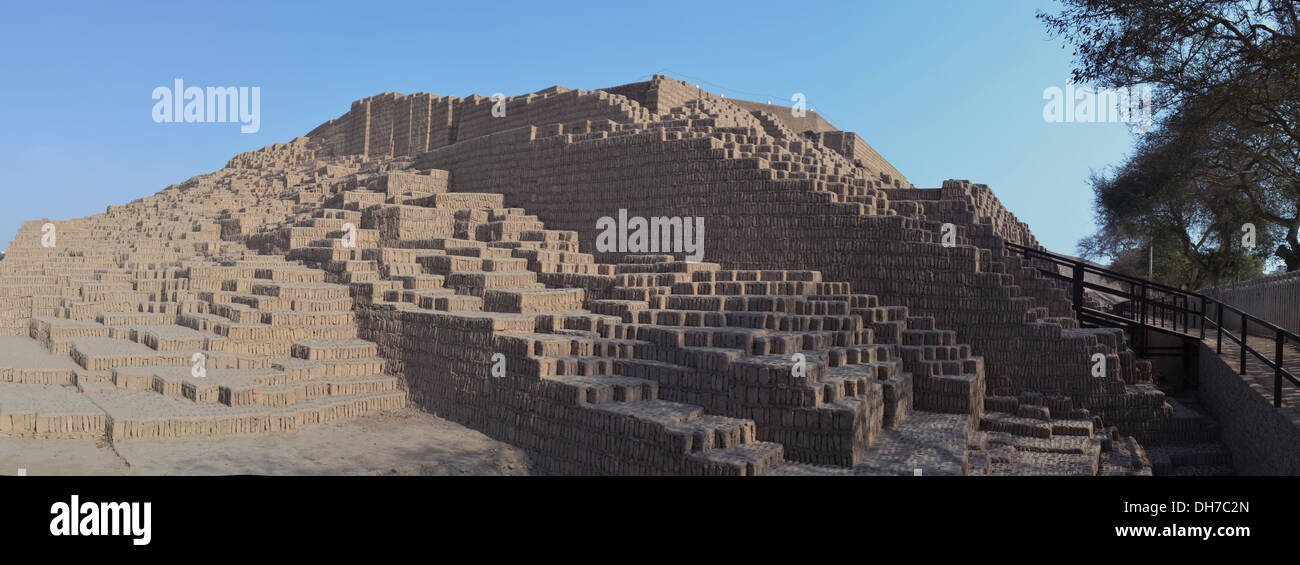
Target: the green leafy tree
(1162, 204)
(1226, 75)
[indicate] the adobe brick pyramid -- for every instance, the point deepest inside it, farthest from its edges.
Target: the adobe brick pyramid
(420, 249)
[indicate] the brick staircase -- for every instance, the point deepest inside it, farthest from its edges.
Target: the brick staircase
(831, 211)
(173, 333)
(698, 361)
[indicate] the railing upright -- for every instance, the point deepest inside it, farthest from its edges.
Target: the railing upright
(1142, 305)
(1218, 323)
(1243, 343)
(1132, 291)
(1277, 371)
(1202, 321)
(1078, 288)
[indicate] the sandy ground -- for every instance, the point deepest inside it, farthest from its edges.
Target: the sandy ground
(408, 442)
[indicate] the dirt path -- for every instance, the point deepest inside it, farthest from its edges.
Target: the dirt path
(408, 442)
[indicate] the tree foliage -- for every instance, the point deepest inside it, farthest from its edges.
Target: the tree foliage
(1226, 150)
(1161, 198)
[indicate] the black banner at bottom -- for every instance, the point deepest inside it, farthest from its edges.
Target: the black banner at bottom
(536, 515)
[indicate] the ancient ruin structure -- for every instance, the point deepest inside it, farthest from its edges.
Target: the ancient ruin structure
(444, 252)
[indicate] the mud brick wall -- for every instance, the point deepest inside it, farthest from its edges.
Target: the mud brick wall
(783, 409)
(551, 106)
(385, 121)
(984, 222)
(988, 209)
(664, 94)
(447, 361)
(409, 222)
(398, 124)
(669, 93)
(403, 115)
(331, 136)
(442, 126)
(856, 149)
(38, 376)
(395, 183)
(423, 124)
(639, 92)
(972, 206)
(810, 121)
(355, 128)
(660, 94)
(47, 411)
(533, 302)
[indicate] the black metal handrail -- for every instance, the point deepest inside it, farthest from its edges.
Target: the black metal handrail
(1152, 305)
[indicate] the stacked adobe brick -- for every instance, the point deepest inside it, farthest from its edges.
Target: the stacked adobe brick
(656, 337)
(454, 284)
(790, 203)
(158, 328)
(445, 282)
(708, 154)
(433, 276)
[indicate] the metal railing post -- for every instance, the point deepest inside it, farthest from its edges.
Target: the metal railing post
(1218, 324)
(1132, 293)
(1202, 322)
(1142, 304)
(1277, 371)
(1243, 343)
(1187, 305)
(1078, 289)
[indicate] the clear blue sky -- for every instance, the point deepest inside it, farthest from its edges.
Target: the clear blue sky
(943, 89)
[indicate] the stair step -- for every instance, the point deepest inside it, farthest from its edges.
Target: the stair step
(604, 389)
(746, 460)
(1060, 444)
(533, 301)
(1015, 425)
